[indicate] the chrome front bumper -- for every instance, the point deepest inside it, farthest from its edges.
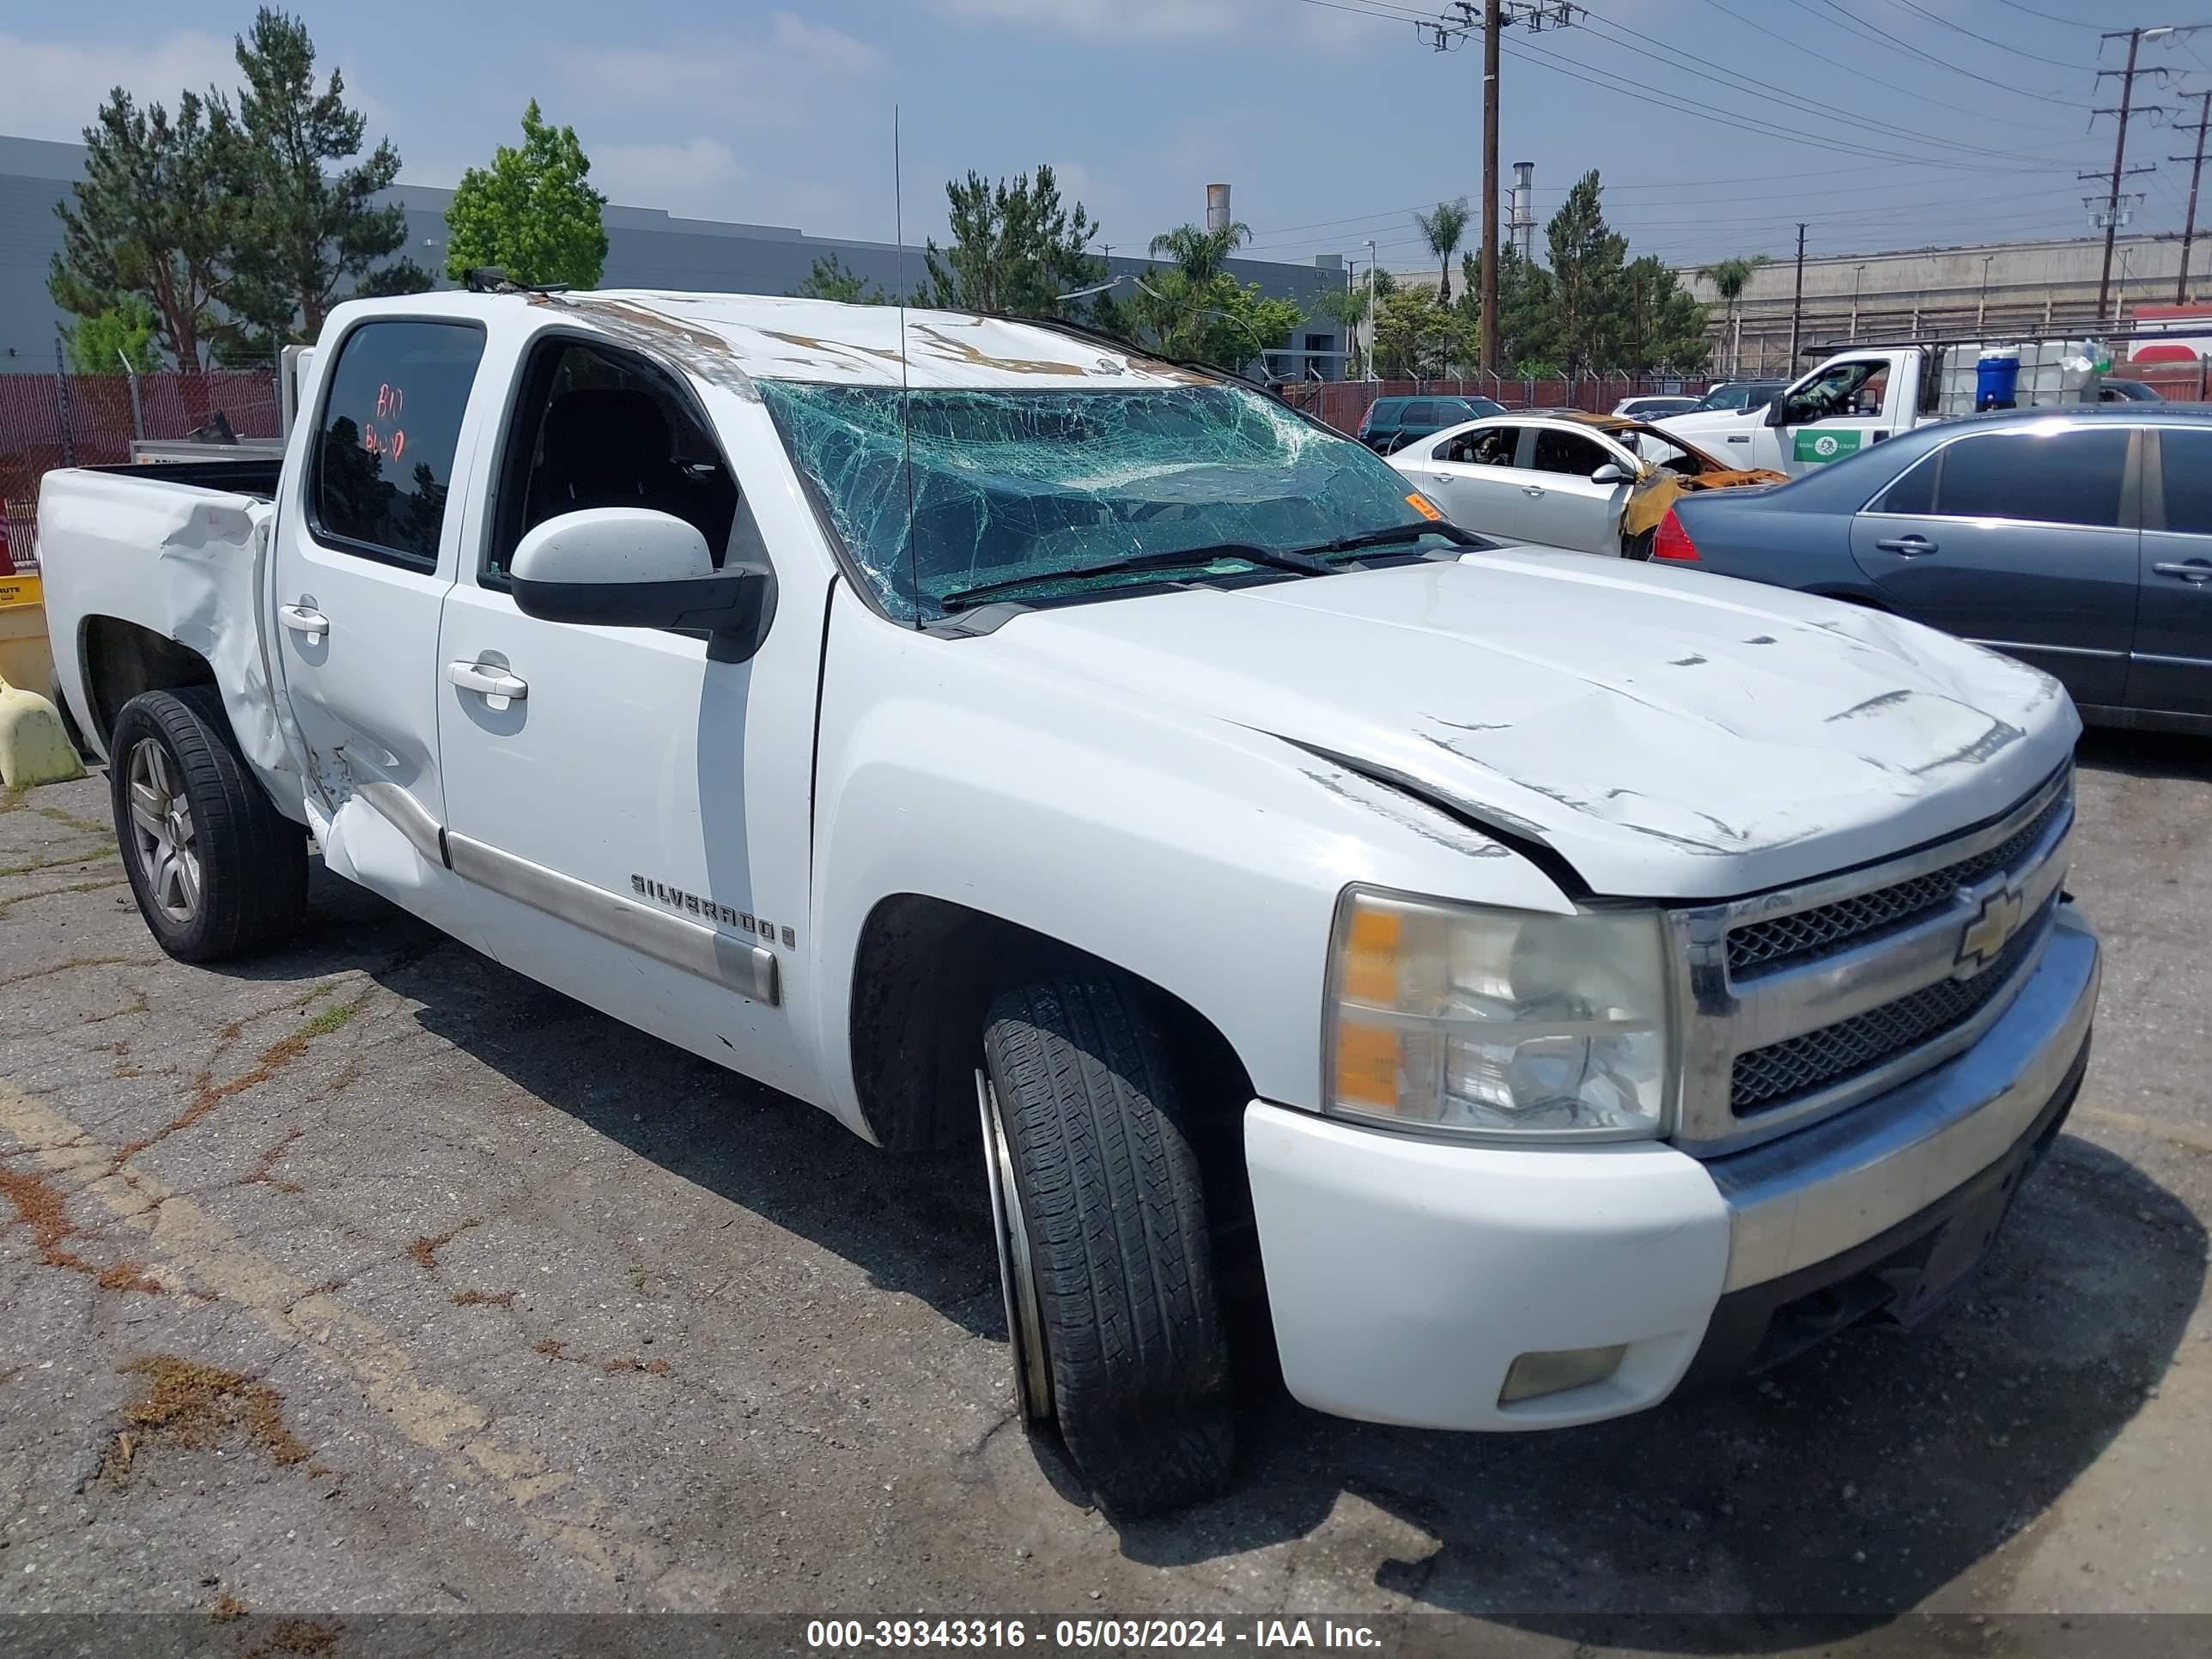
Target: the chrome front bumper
(1818, 1192)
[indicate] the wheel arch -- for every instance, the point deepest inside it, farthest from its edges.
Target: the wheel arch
(118, 660)
(924, 973)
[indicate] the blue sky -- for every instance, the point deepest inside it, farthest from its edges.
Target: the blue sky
(1331, 118)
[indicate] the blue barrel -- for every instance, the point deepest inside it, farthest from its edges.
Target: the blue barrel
(1997, 377)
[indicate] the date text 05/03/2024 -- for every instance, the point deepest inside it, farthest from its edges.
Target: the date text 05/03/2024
(1108, 1634)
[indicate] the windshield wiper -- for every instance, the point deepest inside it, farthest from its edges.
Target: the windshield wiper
(1397, 533)
(1304, 563)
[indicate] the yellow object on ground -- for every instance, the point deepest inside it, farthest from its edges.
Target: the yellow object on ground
(24, 656)
(33, 747)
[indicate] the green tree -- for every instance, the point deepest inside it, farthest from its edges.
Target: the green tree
(1444, 230)
(831, 280)
(533, 212)
(124, 332)
(1666, 326)
(1221, 321)
(309, 232)
(1016, 248)
(1199, 254)
(151, 218)
(1589, 296)
(1419, 338)
(1729, 277)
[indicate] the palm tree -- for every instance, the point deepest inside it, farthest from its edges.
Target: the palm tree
(1199, 254)
(1445, 229)
(1729, 278)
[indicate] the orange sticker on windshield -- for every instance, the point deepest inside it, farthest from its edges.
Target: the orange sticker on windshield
(1421, 505)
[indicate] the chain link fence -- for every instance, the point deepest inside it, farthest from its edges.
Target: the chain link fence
(50, 420)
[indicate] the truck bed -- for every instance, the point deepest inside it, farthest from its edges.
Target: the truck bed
(246, 475)
(177, 552)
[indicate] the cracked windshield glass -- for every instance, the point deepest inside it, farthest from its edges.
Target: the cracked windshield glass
(1008, 485)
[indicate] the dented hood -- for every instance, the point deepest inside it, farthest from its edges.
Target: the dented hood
(1670, 734)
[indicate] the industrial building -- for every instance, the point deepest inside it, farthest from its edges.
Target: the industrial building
(646, 248)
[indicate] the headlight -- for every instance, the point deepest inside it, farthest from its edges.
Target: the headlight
(1497, 1022)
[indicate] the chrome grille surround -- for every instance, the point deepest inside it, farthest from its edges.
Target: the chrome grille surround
(1817, 1028)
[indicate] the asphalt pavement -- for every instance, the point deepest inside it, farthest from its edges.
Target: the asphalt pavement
(371, 1277)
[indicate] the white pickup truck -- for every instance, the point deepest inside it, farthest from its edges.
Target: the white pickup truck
(1562, 981)
(1869, 393)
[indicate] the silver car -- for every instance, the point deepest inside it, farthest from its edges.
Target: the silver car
(1562, 480)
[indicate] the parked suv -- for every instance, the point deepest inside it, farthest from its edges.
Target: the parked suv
(1390, 423)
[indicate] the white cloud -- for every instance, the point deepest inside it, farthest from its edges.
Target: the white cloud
(777, 80)
(690, 179)
(55, 89)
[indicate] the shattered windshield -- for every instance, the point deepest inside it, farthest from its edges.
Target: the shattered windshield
(1014, 485)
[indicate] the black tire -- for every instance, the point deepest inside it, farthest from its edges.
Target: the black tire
(250, 866)
(1114, 1214)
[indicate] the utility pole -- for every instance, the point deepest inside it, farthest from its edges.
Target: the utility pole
(1448, 33)
(1797, 300)
(2196, 172)
(2135, 38)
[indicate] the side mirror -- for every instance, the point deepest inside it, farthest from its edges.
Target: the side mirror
(1610, 473)
(633, 566)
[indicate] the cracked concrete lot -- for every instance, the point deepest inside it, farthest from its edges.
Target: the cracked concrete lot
(370, 1277)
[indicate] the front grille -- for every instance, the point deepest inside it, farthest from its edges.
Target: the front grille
(1764, 1079)
(1760, 946)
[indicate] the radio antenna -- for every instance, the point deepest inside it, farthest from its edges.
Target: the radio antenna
(906, 389)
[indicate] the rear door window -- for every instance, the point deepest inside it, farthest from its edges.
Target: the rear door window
(391, 424)
(1567, 452)
(2185, 459)
(2065, 478)
(1422, 411)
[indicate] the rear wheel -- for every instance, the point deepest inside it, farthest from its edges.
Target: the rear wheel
(216, 869)
(1111, 1307)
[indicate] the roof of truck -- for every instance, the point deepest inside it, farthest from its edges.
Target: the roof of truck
(767, 337)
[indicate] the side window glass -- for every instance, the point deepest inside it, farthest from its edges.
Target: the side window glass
(391, 424)
(1567, 452)
(1421, 412)
(2185, 460)
(1913, 493)
(2064, 478)
(595, 428)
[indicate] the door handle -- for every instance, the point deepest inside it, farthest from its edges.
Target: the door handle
(1533, 490)
(2196, 573)
(304, 619)
(499, 687)
(1911, 546)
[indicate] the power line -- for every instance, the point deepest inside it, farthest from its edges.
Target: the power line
(1909, 5)
(1860, 26)
(2070, 22)
(1751, 83)
(1832, 66)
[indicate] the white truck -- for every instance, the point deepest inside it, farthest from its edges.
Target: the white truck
(1866, 393)
(1563, 982)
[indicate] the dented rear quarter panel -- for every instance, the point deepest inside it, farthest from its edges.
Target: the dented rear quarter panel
(183, 562)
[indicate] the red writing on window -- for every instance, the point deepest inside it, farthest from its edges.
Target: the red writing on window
(391, 448)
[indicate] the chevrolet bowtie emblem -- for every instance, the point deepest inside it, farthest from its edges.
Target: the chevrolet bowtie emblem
(1998, 920)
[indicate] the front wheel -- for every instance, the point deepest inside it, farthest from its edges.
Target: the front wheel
(216, 869)
(1104, 1250)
